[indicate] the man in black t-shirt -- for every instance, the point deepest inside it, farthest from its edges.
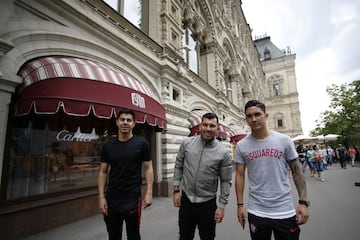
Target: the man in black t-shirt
(124, 155)
(341, 155)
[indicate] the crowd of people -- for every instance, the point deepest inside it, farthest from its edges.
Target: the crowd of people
(318, 158)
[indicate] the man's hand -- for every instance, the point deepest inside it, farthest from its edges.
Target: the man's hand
(219, 215)
(241, 213)
(176, 199)
(147, 200)
(103, 207)
(302, 214)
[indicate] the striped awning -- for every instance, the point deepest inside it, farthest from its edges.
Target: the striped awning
(236, 133)
(81, 86)
(195, 121)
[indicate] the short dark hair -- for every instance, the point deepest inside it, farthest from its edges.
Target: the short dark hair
(126, 111)
(210, 115)
(255, 103)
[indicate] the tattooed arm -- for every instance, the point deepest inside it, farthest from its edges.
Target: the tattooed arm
(302, 213)
(299, 179)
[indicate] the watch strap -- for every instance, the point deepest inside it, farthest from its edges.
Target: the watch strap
(304, 202)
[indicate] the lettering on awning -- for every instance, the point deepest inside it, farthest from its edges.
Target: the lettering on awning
(137, 100)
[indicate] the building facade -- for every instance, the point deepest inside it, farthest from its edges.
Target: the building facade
(67, 67)
(282, 98)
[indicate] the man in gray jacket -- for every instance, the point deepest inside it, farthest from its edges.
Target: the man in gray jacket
(200, 163)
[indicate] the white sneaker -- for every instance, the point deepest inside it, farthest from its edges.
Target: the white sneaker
(323, 180)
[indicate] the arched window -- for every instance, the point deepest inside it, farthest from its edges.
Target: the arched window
(189, 50)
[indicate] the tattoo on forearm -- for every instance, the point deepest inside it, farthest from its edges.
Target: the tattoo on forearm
(299, 179)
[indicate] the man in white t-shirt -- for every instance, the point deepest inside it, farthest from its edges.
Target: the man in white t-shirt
(267, 155)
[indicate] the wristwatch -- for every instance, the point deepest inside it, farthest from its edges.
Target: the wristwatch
(176, 189)
(304, 202)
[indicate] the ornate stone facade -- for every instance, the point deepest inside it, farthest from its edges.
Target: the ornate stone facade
(212, 34)
(281, 88)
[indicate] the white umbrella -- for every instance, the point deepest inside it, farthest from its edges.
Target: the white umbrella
(328, 137)
(331, 137)
(304, 139)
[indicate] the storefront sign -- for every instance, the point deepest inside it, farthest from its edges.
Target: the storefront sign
(137, 100)
(78, 136)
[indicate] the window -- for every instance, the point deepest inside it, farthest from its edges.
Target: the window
(280, 123)
(130, 9)
(227, 86)
(55, 153)
(276, 89)
(174, 38)
(176, 94)
(190, 50)
(267, 54)
(115, 4)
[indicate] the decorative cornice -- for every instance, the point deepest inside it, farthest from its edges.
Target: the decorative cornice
(5, 46)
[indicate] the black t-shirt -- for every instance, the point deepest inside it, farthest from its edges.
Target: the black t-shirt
(125, 161)
(341, 151)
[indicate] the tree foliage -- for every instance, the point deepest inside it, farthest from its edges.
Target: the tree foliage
(343, 118)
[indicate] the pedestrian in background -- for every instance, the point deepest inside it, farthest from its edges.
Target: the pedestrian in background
(330, 155)
(201, 162)
(324, 153)
(318, 162)
(124, 155)
(352, 154)
(341, 154)
(309, 155)
(357, 155)
(301, 150)
(266, 154)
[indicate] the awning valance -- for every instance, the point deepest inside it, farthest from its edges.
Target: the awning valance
(195, 121)
(80, 87)
(236, 133)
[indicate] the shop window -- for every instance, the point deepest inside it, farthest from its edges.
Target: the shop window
(55, 153)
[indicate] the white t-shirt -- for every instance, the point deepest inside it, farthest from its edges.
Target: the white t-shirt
(267, 169)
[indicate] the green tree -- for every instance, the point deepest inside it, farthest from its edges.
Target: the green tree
(343, 118)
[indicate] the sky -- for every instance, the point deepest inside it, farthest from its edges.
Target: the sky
(324, 35)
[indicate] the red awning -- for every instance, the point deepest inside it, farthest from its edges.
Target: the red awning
(195, 121)
(236, 133)
(52, 83)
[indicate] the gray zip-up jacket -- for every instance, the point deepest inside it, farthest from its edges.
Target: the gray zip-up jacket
(200, 166)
